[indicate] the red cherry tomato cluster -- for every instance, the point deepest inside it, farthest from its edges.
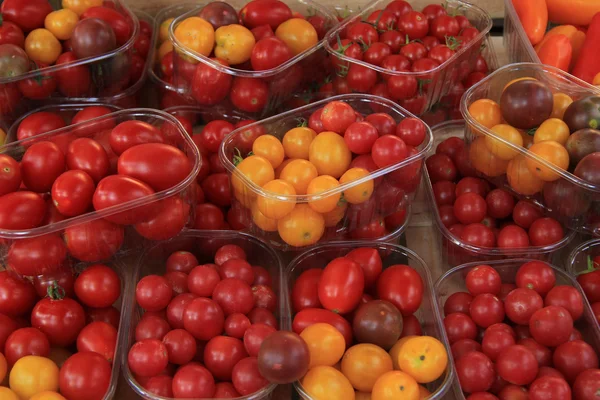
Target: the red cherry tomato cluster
(203, 326)
(400, 39)
(518, 339)
(67, 318)
(590, 283)
(87, 168)
(479, 216)
(331, 295)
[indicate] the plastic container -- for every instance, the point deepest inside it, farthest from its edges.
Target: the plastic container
(438, 81)
(454, 281)
(295, 75)
(203, 244)
(580, 213)
(392, 254)
(109, 76)
(577, 262)
(518, 47)
(399, 195)
(454, 250)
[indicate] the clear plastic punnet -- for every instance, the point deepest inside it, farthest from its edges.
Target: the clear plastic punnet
(428, 313)
(394, 186)
(434, 83)
(581, 256)
(203, 244)
(581, 211)
(454, 281)
(256, 92)
(454, 250)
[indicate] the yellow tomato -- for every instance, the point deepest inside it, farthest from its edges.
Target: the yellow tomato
(298, 34)
(234, 44)
(302, 227)
(484, 161)
(42, 46)
(357, 193)
(364, 363)
(299, 173)
(330, 154)
(273, 207)
(332, 218)
(526, 78)
(3, 367)
(553, 153)
(264, 223)
(196, 34)
(32, 374)
(255, 169)
(61, 23)
(552, 129)
(395, 350)
(80, 6)
(163, 30)
(327, 383)
(395, 385)
(521, 179)
(486, 112)
(296, 142)
(164, 49)
(282, 166)
(561, 103)
(319, 185)
(502, 150)
(269, 147)
(424, 358)
(325, 344)
(48, 396)
(7, 394)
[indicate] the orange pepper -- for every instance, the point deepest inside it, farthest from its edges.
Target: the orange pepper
(576, 37)
(572, 12)
(557, 52)
(533, 15)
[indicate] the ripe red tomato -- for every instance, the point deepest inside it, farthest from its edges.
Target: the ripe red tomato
(542, 354)
(85, 375)
(264, 297)
(208, 216)
(513, 236)
(478, 235)
(221, 354)
(247, 378)
(182, 261)
(458, 302)
(464, 346)
(567, 297)
(521, 304)
(17, 295)
(545, 231)
(414, 24)
(153, 293)
(115, 190)
(483, 279)
(495, 342)
(475, 372)
(444, 26)
(249, 94)
(98, 337)
(148, 357)
(203, 318)
(210, 85)
(389, 150)
(470, 208)
(486, 309)
(181, 346)
(341, 285)
(25, 342)
(176, 308)
(402, 286)
(305, 293)
(169, 220)
(64, 277)
(151, 327)
(536, 275)
(94, 241)
(98, 286)
(549, 388)
(131, 133)
(525, 213)
(337, 116)
(89, 156)
(42, 163)
(37, 256)
(237, 268)
(234, 296)
(587, 384)
(551, 326)
(441, 168)
(459, 326)
(72, 192)
(574, 357)
(193, 381)
(370, 262)
(517, 365)
(74, 81)
(236, 325)
(60, 320)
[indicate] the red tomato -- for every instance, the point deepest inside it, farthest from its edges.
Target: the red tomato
(264, 297)
(28, 15)
(500, 203)
(72, 193)
(517, 365)
(193, 381)
(542, 354)
(176, 308)
(495, 342)
(37, 256)
(161, 385)
(73, 81)
(98, 337)
(254, 336)
(483, 279)
(10, 180)
(153, 293)
(17, 295)
(370, 262)
(85, 375)
(131, 133)
(360, 136)
(178, 281)
(249, 94)
(168, 221)
(151, 327)
(486, 309)
(411, 131)
(182, 261)
(536, 275)
(269, 53)
(337, 116)
(221, 354)
(458, 302)
(440, 167)
(444, 26)
(567, 297)
(414, 24)
(545, 231)
(459, 326)
(60, 320)
(246, 376)
(402, 286)
(89, 113)
(587, 384)
(311, 316)
(217, 189)
(95, 240)
(513, 236)
(341, 285)
(574, 357)
(551, 326)
(208, 216)
(115, 190)
(98, 286)
(236, 325)
(234, 296)
(25, 342)
(42, 163)
(181, 346)
(549, 388)
(10, 33)
(524, 214)
(203, 318)
(64, 277)
(470, 208)
(210, 85)
(265, 12)
(521, 304)
(464, 346)
(89, 156)
(475, 372)
(148, 357)
(202, 280)
(305, 293)
(116, 20)
(389, 150)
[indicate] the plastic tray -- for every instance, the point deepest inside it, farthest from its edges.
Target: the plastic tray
(518, 47)
(445, 75)
(454, 281)
(295, 75)
(280, 124)
(580, 217)
(577, 261)
(454, 250)
(428, 313)
(109, 75)
(204, 244)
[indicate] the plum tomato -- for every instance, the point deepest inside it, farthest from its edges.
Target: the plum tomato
(341, 285)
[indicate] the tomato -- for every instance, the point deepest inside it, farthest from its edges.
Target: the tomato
(587, 384)
(176, 308)
(72, 192)
(182, 261)
(495, 342)
(536, 275)
(486, 112)
(360, 136)
(395, 384)
(475, 372)
(574, 357)
(550, 388)
(567, 297)
(88, 156)
(249, 94)
(32, 375)
(28, 15)
(116, 20)
(553, 153)
(203, 318)
(305, 290)
(237, 268)
(196, 34)
(517, 365)
(325, 344)
(389, 150)
(470, 208)
(151, 327)
(337, 116)
(74, 81)
(10, 33)
(42, 163)
(95, 240)
(406, 296)
(551, 326)
(193, 381)
(167, 222)
(370, 263)
(148, 357)
(160, 385)
(545, 231)
(265, 12)
(236, 325)
(329, 153)
(181, 346)
(210, 85)
(458, 302)
(521, 304)
(414, 24)
(85, 375)
(310, 316)
(483, 279)
(98, 337)
(89, 113)
(234, 44)
(131, 133)
(363, 364)
(98, 286)
(486, 309)
(221, 354)
(208, 216)
(327, 383)
(17, 295)
(26, 342)
(441, 168)
(153, 293)
(116, 190)
(301, 227)
(341, 285)
(202, 280)
(459, 326)
(61, 320)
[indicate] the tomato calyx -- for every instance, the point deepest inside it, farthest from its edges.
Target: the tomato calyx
(55, 291)
(453, 43)
(237, 157)
(421, 84)
(302, 122)
(531, 132)
(590, 267)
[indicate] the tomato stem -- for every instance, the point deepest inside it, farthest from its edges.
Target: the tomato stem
(55, 291)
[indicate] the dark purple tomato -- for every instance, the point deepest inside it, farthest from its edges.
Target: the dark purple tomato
(218, 14)
(526, 104)
(283, 357)
(378, 322)
(92, 37)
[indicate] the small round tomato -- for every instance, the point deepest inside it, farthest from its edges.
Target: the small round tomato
(475, 372)
(388, 150)
(61, 23)
(98, 337)
(42, 163)
(406, 297)
(234, 44)
(486, 112)
(196, 34)
(148, 357)
(329, 153)
(269, 53)
(249, 94)
(459, 326)
(42, 46)
(325, 344)
(552, 152)
(574, 357)
(551, 326)
(26, 342)
(486, 309)
(517, 365)
(414, 24)
(327, 382)
(536, 275)
(98, 286)
(193, 381)
(95, 240)
(318, 185)
(360, 137)
(394, 385)
(363, 364)
(483, 279)
(545, 231)
(33, 374)
(521, 304)
(72, 193)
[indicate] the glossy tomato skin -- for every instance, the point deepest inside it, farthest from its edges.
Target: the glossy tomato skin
(42, 163)
(170, 219)
(89, 156)
(63, 276)
(37, 256)
(85, 375)
(551, 326)
(98, 286)
(475, 372)
(370, 262)
(10, 179)
(99, 337)
(148, 357)
(521, 303)
(17, 295)
(130, 133)
(483, 279)
(21, 210)
(234, 296)
(209, 85)
(203, 318)
(26, 342)
(153, 293)
(94, 241)
(567, 297)
(151, 327)
(402, 286)
(536, 275)
(221, 354)
(341, 285)
(574, 357)
(116, 20)
(72, 193)
(549, 388)
(590, 283)
(458, 302)
(305, 293)
(193, 381)
(118, 189)
(311, 316)
(28, 15)
(459, 326)
(587, 384)
(60, 320)
(517, 365)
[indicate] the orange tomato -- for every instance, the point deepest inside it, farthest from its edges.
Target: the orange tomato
(576, 38)
(302, 227)
(527, 138)
(264, 223)
(332, 218)
(255, 169)
(32, 374)
(299, 173)
(395, 350)
(164, 49)
(7, 394)
(484, 161)
(42, 46)
(424, 393)
(319, 185)
(298, 34)
(271, 205)
(561, 103)
(556, 51)
(552, 129)
(3, 367)
(269, 147)
(282, 166)
(61, 23)
(234, 44)
(296, 142)
(533, 15)
(80, 6)
(325, 344)
(357, 193)
(525, 78)
(424, 358)
(330, 154)
(486, 112)
(574, 12)
(521, 179)
(163, 30)
(553, 153)
(364, 363)
(500, 149)
(47, 396)
(395, 385)
(196, 34)
(327, 383)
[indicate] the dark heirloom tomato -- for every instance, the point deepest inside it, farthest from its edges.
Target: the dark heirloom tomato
(131, 133)
(85, 376)
(121, 28)
(92, 37)
(526, 104)
(21, 210)
(115, 190)
(210, 85)
(95, 240)
(61, 320)
(378, 322)
(218, 14)
(283, 357)
(37, 256)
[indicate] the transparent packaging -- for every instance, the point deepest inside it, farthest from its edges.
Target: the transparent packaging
(428, 313)
(454, 250)
(396, 184)
(454, 281)
(582, 211)
(578, 260)
(109, 76)
(203, 244)
(436, 82)
(518, 47)
(274, 85)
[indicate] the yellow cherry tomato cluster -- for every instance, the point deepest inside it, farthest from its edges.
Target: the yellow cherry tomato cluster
(367, 371)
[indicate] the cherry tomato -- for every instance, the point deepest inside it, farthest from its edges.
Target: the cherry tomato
(550, 388)
(551, 326)
(26, 342)
(94, 241)
(475, 372)
(153, 293)
(545, 231)
(414, 24)
(151, 327)
(536, 275)
(483, 279)
(98, 337)
(574, 357)
(521, 304)
(249, 94)
(406, 297)
(193, 381)
(119, 189)
(37, 256)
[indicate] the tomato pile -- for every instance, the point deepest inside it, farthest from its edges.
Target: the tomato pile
(550, 126)
(59, 332)
(263, 37)
(478, 215)
(515, 340)
(590, 283)
(354, 299)
(203, 326)
(301, 184)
